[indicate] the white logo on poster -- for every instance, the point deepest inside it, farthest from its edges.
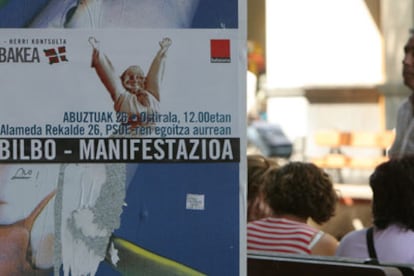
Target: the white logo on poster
(195, 202)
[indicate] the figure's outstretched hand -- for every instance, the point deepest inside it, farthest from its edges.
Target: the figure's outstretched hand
(165, 43)
(94, 43)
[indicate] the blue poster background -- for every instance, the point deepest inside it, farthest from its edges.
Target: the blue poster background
(156, 219)
(209, 14)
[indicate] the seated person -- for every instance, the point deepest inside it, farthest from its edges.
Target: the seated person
(392, 184)
(295, 192)
(258, 167)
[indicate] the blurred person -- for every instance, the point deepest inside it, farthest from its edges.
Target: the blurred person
(404, 138)
(258, 168)
(296, 192)
(392, 183)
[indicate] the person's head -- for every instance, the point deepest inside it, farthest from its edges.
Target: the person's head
(408, 62)
(392, 184)
(302, 190)
(133, 79)
(258, 168)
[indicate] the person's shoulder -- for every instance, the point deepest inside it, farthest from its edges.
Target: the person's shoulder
(348, 243)
(395, 230)
(326, 246)
(355, 234)
(258, 221)
(329, 241)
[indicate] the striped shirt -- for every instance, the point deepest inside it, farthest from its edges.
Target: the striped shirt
(281, 235)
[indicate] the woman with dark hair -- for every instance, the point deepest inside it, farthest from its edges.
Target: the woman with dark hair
(295, 192)
(392, 184)
(258, 168)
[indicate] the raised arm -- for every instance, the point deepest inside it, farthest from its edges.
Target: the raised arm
(156, 71)
(105, 70)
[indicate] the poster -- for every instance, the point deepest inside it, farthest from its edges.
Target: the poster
(122, 137)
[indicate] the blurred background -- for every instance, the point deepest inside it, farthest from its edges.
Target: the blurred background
(324, 85)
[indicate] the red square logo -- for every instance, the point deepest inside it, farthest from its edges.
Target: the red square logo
(220, 50)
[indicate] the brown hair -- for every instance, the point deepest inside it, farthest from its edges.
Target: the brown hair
(258, 168)
(303, 190)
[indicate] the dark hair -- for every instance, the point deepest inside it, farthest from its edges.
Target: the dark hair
(258, 168)
(303, 190)
(392, 184)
